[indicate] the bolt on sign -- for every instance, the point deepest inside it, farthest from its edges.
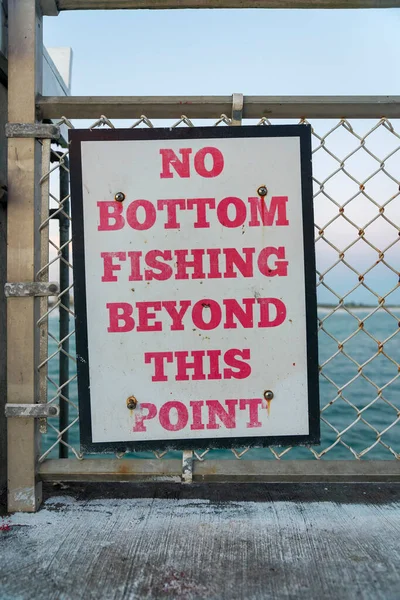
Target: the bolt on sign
(195, 297)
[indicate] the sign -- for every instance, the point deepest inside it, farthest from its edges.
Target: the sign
(195, 294)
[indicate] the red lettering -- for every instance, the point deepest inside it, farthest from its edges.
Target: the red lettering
(160, 358)
(227, 417)
(277, 208)
(244, 265)
(140, 417)
(214, 364)
(223, 208)
(176, 316)
(183, 365)
(181, 414)
(201, 205)
(149, 214)
(120, 311)
(182, 264)
(164, 270)
(135, 275)
(169, 159)
(215, 314)
(109, 266)
(233, 309)
(243, 368)
(217, 160)
(145, 314)
(110, 211)
(280, 265)
(214, 254)
(197, 422)
(253, 404)
(172, 206)
(265, 318)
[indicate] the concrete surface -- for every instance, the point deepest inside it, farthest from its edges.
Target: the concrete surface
(193, 542)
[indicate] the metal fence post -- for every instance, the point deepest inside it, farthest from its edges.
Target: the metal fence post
(64, 306)
(24, 162)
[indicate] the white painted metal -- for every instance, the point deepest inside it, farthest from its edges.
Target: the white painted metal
(117, 360)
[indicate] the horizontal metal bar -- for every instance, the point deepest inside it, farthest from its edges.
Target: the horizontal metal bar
(297, 470)
(221, 470)
(112, 469)
(168, 4)
(35, 411)
(22, 289)
(41, 131)
(203, 107)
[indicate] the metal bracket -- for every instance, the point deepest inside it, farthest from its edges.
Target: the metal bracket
(40, 131)
(24, 289)
(187, 466)
(35, 411)
(49, 8)
(237, 109)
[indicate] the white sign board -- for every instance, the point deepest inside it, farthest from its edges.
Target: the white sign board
(194, 287)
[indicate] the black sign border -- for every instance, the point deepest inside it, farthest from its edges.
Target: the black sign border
(76, 137)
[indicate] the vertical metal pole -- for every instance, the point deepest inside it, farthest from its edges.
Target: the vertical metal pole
(23, 257)
(64, 305)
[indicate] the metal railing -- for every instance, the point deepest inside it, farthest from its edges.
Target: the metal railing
(358, 198)
(357, 208)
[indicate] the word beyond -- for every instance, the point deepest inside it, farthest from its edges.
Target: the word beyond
(205, 314)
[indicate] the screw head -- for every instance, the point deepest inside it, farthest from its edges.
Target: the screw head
(262, 190)
(119, 196)
(268, 395)
(131, 402)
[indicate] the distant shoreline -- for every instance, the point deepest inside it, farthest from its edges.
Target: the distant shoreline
(350, 305)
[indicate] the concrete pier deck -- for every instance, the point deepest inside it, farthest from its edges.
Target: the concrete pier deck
(154, 541)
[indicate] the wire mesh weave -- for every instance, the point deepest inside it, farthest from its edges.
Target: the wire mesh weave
(357, 212)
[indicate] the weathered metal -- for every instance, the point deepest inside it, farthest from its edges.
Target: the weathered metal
(212, 470)
(35, 411)
(203, 107)
(50, 6)
(187, 466)
(24, 172)
(237, 109)
(25, 289)
(32, 130)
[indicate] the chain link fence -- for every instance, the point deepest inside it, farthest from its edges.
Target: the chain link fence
(356, 172)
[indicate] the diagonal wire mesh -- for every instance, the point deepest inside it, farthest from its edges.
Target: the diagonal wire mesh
(356, 172)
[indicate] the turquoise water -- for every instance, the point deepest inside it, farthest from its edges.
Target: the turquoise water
(377, 369)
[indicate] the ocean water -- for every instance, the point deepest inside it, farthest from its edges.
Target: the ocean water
(359, 388)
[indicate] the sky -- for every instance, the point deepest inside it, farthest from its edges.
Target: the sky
(261, 52)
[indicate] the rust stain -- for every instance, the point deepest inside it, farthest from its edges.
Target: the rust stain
(268, 407)
(123, 469)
